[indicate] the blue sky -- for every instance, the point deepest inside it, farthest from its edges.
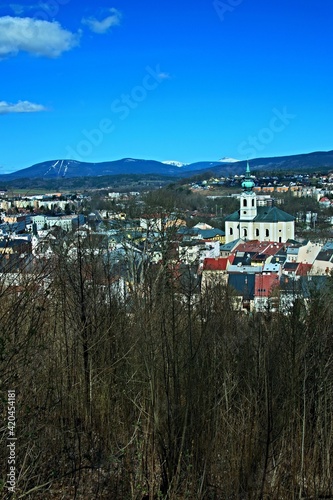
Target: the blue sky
(186, 80)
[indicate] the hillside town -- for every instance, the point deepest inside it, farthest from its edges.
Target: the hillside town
(257, 254)
(166, 250)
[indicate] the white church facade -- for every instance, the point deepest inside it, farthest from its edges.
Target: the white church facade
(251, 222)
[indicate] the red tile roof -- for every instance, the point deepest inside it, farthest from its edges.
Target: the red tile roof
(303, 269)
(264, 284)
(264, 247)
(218, 263)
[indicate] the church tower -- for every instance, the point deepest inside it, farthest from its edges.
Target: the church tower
(263, 223)
(248, 199)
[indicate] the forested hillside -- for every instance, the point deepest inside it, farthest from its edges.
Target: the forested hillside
(155, 390)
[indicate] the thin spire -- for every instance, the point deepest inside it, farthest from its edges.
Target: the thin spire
(248, 173)
(247, 183)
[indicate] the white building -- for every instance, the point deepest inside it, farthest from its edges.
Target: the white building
(251, 222)
(66, 222)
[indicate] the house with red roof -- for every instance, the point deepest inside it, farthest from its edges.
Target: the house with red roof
(264, 286)
(215, 271)
(303, 269)
(324, 202)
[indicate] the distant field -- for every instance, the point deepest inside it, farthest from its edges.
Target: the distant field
(32, 192)
(220, 191)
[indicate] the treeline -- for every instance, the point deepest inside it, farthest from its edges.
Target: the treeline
(178, 198)
(121, 182)
(148, 389)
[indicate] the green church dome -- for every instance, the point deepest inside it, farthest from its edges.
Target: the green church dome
(248, 183)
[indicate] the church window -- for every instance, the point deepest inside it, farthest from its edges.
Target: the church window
(245, 202)
(257, 232)
(267, 233)
(245, 232)
(231, 231)
(253, 202)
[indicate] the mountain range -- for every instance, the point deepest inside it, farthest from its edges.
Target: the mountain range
(57, 169)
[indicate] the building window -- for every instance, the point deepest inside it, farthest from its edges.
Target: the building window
(257, 232)
(267, 233)
(245, 202)
(231, 231)
(253, 202)
(245, 232)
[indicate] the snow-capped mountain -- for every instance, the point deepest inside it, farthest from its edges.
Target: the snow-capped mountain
(174, 163)
(228, 160)
(64, 168)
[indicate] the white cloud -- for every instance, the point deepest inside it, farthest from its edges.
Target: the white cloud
(17, 8)
(164, 76)
(101, 27)
(20, 107)
(40, 38)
